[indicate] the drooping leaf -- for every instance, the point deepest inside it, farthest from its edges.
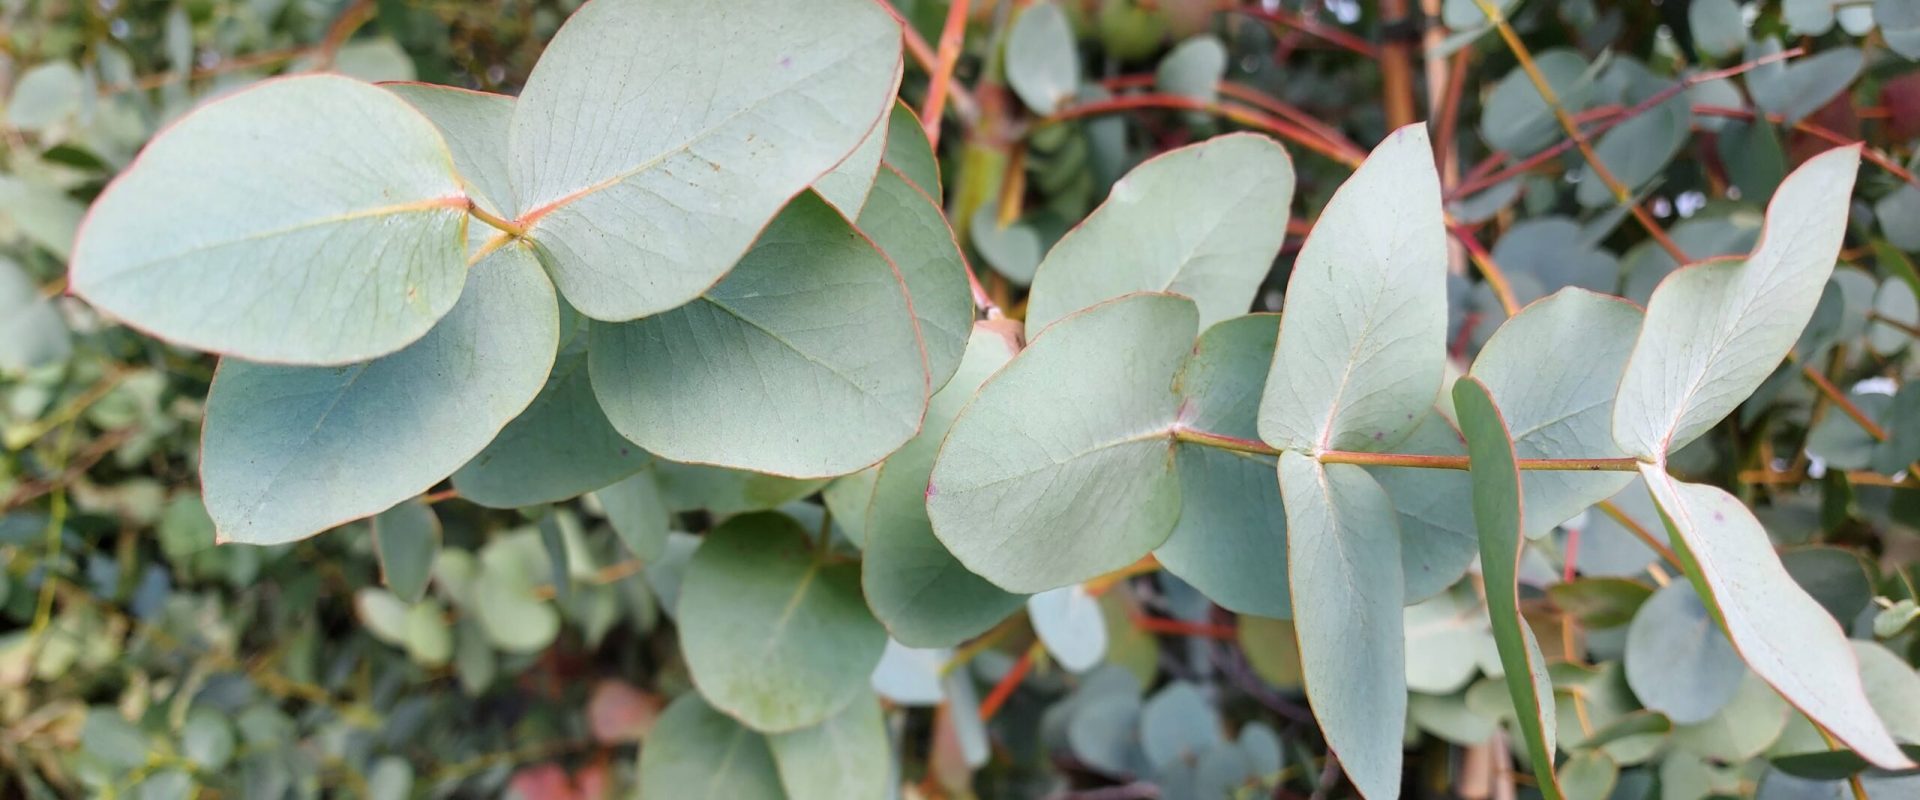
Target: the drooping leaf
(1343, 568)
(292, 451)
(772, 635)
(847, 756)
(559, 448)
(1552, 370)
(200, 242)
(638, 513)
(1205, 221)
(407, 539)
(1784, 635)
(1714, 331)
(695, 751)
(909, 151)
(920, 591)
(804, 362)
(1362, 339)
(633, 99)
(1498, 510)
(908, 227)
(1042, 61)
(1060, 469)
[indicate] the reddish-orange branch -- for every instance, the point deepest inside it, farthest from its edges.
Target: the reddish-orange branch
(952, 36)
(1249, 117)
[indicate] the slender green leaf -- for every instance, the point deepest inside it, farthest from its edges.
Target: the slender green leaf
(406, 537)
(909, 151)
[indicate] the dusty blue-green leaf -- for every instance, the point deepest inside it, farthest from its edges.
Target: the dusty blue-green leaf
(199, 242)
(846, 756)
(1517, 119)
(1362, 339)
(1438, 540)
(31, 331)
(772, 635)
(1600, 602)
(1798, 88)
(1178, 724)
(1068, 621)
(1014, 249)
(1558, 253)
(908, 227)
(1498, 511)
(691, 487)
(207, 739)
(638, 514)
(391, 778)
(1783, 634)
(1899, 216)
(1553, 370)
(1718, 29)
(915, 586)
(475, 126)
(1451, 636)
(1678, 662)
(1636, 151)
(1755, 159)
(1892, 687)
(1807, 17)
(1899, 23)
(559, 448)
(1205, 221)
(1894, 303)
(1716, 330)
(1061, 469)
(1231, 539)
(292, 451)
(805, 362)
(1589, 775)
(1447, 717)
(1834, 577)
(910, 676)
(511, 615)
(654, 141)
(909, 152)
(406, 538)
(1104, 733)
(846, 187)
(1042, 60)
(41, 213)
(109, 737)
(848, 496)
(1343, 568)
(695, 751)
(47, 95)
(1746, 726)
(429, 639)
(1193, 69)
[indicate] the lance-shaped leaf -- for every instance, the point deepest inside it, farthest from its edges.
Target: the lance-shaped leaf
(292, 451)
(1362, 340)
(805, 362)
(1552, 370)
(1205, 221)
(909, 151)
(1231, 539)
(846, 187)
(918, 589)
(1499, 512)
(774, 636)
(561, 447)
(1343, 569)
(695, 751)
(847, 756)
(1715, 330)
(655, 140)
(1061, 468)
(908, 227)
(407, 540)
(308, 220)
(1781, 632)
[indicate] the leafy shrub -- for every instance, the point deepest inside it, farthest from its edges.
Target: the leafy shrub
(702, 395)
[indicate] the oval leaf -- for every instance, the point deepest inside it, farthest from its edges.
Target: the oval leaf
(559, 448)
(695, 751)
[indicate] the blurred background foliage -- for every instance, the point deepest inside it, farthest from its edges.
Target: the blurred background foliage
(532, 654)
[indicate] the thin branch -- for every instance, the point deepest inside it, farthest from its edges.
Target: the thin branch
(1327, 33)
(1008, 682)
(513, 229)
(1496, 278)
(1249, 117)
(952, 36)
(1840, 399)
(1633, 526)
(1422, 461)
(1872, 155)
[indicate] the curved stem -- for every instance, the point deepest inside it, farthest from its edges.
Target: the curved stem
(511, 228)
(1416, 460)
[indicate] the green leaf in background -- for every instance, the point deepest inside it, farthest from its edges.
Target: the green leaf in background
(559, 448)
(207, 739)
(846, 187)
(1552, 369)
(1068, 621)
(1716, 330)
(632, 98)
(1637, 150)
(504, 595)
(1059, 470)
(909, 151)
(475, 126)
(772, 635)
(200, 242)
(47, 96)
(847, 756)
(292, 451)
(1797, 89)
(1178, 724)
(1362, 337)
(638, 514)
(1743, 728)
(1343, 568)
(1718, 29)
(1231, 539)
(1205, 221)
(918, 589)
(1012, 249)
(31, 331)
(1600, 602)
(1516, 118)
(1438, 540)
(1193, 68)
(1899, 23)
(1588, 775)
(1678, 662)
(109, 737)
(695, 751)
(383, 614)
(1498, 511)
(1042, 61)
(908, 227)
(689, 487)
(406, 538)
(805, 362)
(1783, 634)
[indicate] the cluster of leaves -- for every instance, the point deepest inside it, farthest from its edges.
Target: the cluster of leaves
(658, 402)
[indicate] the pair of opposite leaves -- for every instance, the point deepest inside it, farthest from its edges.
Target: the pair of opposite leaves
(316, 228)
(1037, 487)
